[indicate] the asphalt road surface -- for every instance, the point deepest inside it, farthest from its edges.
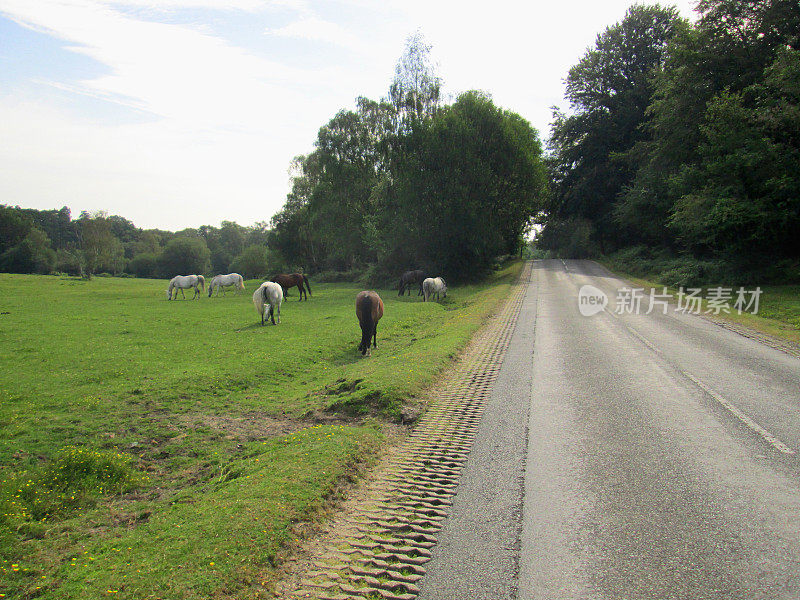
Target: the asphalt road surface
(627, 456)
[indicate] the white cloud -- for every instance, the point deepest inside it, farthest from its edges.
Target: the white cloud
(155, 174)
(310, 27)
(170, 70)
(218, 120)
(225, 123)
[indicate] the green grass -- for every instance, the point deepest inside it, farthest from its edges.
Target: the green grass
(178, 449)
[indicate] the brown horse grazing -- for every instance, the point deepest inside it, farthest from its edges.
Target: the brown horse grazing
(409, 278)
(287, 281)
(369, 310)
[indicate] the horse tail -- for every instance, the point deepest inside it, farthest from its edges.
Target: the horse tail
(240, 283)
(365, 319)
(202, 281)
(308, 286)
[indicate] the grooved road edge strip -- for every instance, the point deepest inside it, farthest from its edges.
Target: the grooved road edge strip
(377, 550)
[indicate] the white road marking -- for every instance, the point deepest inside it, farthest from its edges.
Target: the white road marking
(643, 339)
(722, 401)
(755, 427)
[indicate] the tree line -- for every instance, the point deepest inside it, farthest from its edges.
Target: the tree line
(411, 182)
(406, 182)
(46, 241)
(683, 142)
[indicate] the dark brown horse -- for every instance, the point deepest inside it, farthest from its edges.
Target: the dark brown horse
(409, 278)
(287, 281)
(369, 310)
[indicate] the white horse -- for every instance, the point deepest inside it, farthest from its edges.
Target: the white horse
(270, 295)
(223, 281)
(431, 286)
(184, 282)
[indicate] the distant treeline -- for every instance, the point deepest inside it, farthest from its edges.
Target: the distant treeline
(683, 143)
(410, 182)
(47, 241)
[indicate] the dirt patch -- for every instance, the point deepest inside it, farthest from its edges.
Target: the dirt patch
(247, 427)
(258, 426)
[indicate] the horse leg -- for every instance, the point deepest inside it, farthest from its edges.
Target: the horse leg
(182, 294)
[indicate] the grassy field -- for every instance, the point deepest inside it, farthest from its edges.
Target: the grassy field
(778, 312)
(153, 449)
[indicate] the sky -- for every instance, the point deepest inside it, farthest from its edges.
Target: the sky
(181, 113)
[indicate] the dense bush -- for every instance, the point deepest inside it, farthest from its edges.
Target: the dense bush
(31, 255)
(251, 263)
(144, 265)
(184, 256)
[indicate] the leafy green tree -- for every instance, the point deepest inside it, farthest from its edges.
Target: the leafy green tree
(326, 221)
(99, 248)
(31, 255)
(146, 242)
(745, 197)
(184, 256)
(258, 234)
(252, 262)
(14, 226)
(416, 88)
(57, 224)
(144, 265)
(593, 149)
(706, 71)
(292, 234)
(69, 260)
(466, 185)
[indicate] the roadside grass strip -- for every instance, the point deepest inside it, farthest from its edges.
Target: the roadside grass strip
(379, 546)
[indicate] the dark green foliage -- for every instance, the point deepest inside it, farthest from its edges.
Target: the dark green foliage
(184, 256)
(407, 183)
(252, 263)
(144, 265)
(593, 150)
(68, 261)
(31, 255)
(713, 176)
(100, 249)
(14, 226)
(34, 241)
(466, 185)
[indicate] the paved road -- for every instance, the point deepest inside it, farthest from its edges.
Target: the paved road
(627, 456)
